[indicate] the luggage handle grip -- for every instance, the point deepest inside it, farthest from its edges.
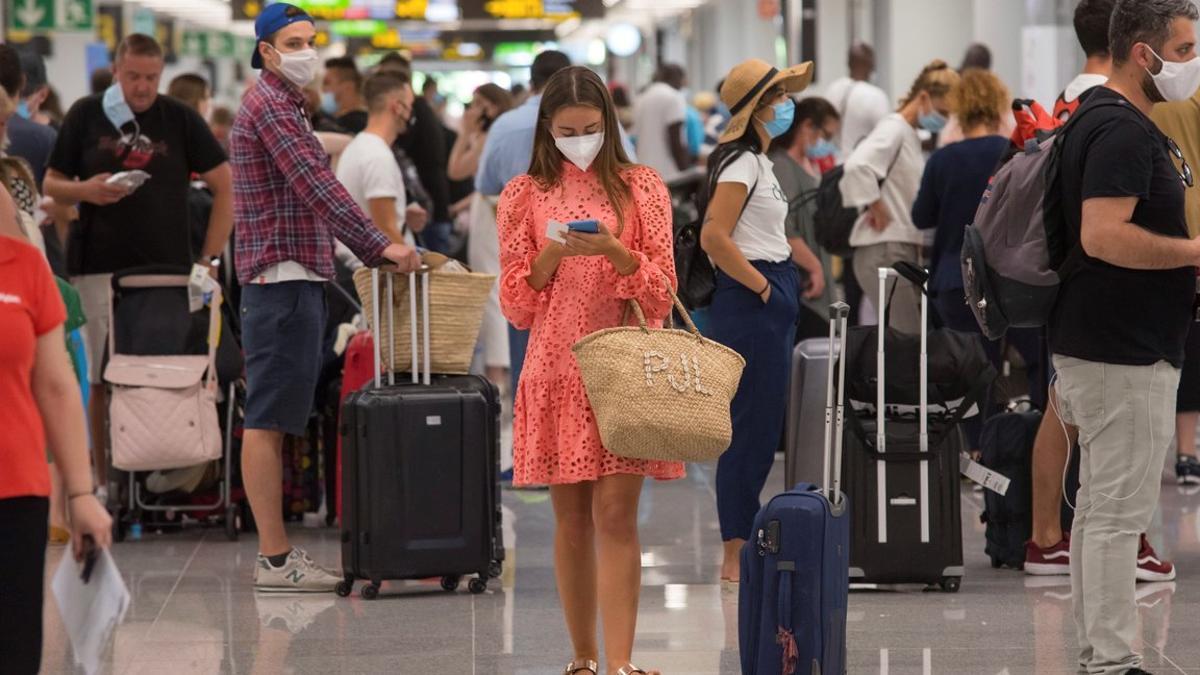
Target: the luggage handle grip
(377, 331)
(832, 449)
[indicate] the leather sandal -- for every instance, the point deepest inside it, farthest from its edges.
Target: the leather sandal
(587, 666)
(631, 669)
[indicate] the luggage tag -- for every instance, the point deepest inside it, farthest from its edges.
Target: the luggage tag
(979, 473)
(556, 231)
(200, 288)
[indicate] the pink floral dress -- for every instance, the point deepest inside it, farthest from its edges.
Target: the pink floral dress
(555, 438)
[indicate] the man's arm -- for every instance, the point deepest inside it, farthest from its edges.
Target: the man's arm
(679, 151)
(305, 167)
(94, 190)
(220, 219)
(1106, 233)
(383, 214)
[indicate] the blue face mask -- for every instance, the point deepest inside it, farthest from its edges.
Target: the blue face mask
(23, 109)
(115, 107)
(328, 103)
(934, 122)
(784, 114)
(821, 149)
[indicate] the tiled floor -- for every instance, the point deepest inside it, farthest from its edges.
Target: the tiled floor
(193, 611)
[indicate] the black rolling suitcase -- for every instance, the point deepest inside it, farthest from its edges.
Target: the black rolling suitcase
(421, 474)
(903, 484)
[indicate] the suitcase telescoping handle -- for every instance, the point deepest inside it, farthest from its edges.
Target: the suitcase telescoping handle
(907, 276)
(377, 333)
(839, 313)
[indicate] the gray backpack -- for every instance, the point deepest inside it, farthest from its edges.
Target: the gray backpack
(1013, 255)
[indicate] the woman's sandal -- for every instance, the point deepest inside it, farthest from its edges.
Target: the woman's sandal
(587, 666)
(631, 669)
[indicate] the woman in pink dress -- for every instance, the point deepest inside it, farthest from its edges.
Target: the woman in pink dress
(562, 292)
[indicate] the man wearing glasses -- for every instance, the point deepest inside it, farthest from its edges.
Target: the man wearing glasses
(1123, 313)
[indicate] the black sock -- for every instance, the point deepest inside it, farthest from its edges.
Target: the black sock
(279, 560)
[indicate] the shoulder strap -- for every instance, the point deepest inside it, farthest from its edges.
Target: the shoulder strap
(846, 97)
(893, 164)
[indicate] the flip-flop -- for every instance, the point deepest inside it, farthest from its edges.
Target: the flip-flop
(587, 666)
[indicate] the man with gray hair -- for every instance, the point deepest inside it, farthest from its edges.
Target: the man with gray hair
(1118, 330)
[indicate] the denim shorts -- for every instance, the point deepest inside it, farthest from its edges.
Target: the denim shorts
(283, 329)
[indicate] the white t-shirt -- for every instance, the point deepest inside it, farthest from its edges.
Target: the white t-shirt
(659, 106)
(369, 171)
(761, 231)
(861, 104)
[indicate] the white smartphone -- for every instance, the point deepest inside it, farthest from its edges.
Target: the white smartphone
(130, 180)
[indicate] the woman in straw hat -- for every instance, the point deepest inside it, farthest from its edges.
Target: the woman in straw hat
(565, 287)
(883, 174)
(757, 297)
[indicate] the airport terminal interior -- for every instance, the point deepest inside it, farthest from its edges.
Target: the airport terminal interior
(246, 477)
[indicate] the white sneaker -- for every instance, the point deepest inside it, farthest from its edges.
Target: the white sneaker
(299, 574)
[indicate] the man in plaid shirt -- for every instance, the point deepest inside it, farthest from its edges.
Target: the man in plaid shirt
(288, 207)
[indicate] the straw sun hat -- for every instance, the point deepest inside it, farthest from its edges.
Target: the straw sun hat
(748, 82)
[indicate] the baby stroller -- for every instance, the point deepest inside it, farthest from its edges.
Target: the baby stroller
(174, 378)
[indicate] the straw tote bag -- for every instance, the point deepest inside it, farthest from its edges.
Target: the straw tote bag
(660, 394)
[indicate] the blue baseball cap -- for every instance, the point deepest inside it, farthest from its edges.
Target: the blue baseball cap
(275, 17)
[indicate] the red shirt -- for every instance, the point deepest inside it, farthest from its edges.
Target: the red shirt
(30, 306)
(287, 202)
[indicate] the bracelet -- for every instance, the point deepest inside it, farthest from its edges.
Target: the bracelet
(765, 289)
(632, 268)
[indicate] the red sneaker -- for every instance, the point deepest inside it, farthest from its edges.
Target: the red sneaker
(1048, 561)
(1149, 567)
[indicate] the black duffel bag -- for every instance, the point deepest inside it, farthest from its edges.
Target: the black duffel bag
(959, 367)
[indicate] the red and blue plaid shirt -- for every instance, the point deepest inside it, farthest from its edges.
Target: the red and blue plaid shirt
(288, 204)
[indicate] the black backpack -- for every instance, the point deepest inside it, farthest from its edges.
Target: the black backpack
(833, 221)
(1007, 447)
(697, 277)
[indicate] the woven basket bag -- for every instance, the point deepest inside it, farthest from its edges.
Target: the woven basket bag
(660, 394)
(456, 303)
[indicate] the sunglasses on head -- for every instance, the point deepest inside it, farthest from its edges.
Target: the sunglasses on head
(1185, 172)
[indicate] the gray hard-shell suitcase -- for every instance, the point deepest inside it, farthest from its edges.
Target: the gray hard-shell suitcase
(421, 474)
(806, 413)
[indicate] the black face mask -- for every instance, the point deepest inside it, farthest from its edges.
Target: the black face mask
(486, 122)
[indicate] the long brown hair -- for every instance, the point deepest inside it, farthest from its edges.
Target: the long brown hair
(573, 86)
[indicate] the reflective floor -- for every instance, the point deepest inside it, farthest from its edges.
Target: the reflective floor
(193, 610)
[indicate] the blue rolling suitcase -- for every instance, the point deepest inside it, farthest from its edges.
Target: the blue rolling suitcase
(795, 579)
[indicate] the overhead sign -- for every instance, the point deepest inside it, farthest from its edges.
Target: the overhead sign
(195, 43)
(110, 25)
(77, 15)
(357, 10)
(247, 10)
(556, 10)
(164, 32)
(32, 14)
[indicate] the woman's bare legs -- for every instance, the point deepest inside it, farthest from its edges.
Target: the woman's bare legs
(575, 564)
(614, 511)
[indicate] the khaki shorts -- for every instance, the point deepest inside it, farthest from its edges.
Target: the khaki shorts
(93, 293)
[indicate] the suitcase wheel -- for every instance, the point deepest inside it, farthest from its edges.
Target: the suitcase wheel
(344, 588)
(951, 584)
(369, 592)
(495, 569)
(477, 586)
(450, 583)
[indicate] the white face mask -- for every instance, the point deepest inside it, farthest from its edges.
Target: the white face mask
(1177, 81)
(299, 67)
(580, 150)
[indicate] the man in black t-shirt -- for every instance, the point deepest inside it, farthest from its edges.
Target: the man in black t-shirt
(130, 127)
(1118, 329)
(341, 94)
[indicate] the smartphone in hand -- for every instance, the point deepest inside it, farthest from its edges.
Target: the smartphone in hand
(584, 226)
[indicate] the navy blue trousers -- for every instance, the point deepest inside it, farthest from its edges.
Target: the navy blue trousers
(763, 335)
